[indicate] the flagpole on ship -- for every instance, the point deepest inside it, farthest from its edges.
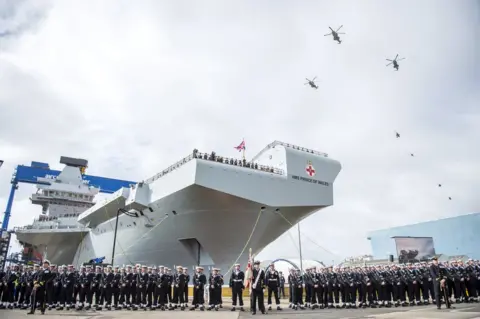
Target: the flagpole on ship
(243, 150)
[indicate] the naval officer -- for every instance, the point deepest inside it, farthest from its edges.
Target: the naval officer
(258, 286)
(439, 282)
(41, 281)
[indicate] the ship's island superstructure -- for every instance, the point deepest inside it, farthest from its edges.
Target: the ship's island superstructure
(203, 210)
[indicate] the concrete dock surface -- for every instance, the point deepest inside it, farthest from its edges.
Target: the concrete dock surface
(461, 311)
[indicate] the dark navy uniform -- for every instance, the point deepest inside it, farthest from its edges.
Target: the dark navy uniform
(272, 280)
(258, 286)
(42, 280)
(199, 282)
(439, 278)
(236, 284)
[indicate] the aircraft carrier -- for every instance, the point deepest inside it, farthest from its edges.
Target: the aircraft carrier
(203, 210)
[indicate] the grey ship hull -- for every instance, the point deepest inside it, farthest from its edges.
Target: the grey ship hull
(213, 228)
(203, 212)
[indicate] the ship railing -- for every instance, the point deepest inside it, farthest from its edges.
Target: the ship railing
(295, 147)
(43, 218)
(50, 226)
(213, 157)
(242, 163)
(62, 197)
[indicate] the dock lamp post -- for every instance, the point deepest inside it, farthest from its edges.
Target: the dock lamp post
(126, 212)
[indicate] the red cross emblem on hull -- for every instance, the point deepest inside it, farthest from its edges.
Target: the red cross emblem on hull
(310, 170)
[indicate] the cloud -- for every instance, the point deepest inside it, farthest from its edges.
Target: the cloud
(134, 88)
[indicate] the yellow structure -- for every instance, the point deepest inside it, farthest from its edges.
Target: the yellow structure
(227, 292)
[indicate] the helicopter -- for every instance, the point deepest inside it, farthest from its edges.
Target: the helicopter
(395, 62)
(335, 34)
(311, 83)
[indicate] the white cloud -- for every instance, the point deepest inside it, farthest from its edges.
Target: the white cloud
(135, 87)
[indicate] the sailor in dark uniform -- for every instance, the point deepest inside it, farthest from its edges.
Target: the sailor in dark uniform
(67, 282)
(187, 281)
(108, 287)
(151, 285)
(161, 289)
(42, 280)
(236, 284)
(169, 278)
(97, 288)
(471, 281)
(272, 279)
(117, 281)
(439, 279)
(3, 278)
(216, 283)
(281, 288)
(179, 281)
(258, 287)
(199, 282)
(142, 281)
(21, 286)
(29, 282)
(12, 276)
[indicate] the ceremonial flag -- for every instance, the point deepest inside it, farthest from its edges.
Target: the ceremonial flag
(249, 272)
(240, 147)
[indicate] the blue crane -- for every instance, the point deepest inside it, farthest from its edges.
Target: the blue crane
(30, 175)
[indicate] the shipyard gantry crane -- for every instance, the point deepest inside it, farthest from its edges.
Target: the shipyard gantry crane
(31, 174)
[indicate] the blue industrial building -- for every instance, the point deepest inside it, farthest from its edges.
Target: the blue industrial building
(452, 236)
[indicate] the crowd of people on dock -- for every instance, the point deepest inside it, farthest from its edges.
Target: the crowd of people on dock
(140, 287)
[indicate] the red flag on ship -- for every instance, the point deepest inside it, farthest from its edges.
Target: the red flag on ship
(240, 147)
(249, 272)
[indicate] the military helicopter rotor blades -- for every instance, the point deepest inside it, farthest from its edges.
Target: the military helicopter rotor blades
(396, 57)
(313, 80)
(389, 63)
(339, 28)
(389, 60)
(400, 59)
(341, 33)
(331, 29)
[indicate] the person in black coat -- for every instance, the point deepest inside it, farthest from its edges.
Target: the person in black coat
(439, 278)
(258, 286)
(43, 278)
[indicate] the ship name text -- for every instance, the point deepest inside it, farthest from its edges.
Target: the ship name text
(310, 180)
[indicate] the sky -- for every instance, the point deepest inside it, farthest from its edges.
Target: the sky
(135, 86)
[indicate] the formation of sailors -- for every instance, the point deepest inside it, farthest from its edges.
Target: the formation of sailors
(383, 286)
(140, 287)
(133, 288)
